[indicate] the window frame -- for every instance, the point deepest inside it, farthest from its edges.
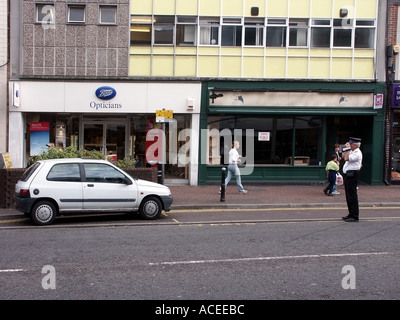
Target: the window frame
(39, 15)
(259, 25)
(108, 6)
(277, 24)
(299, 29)
(82, 6)
(210, 23)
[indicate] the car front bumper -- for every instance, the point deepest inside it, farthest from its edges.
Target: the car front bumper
(167, 202)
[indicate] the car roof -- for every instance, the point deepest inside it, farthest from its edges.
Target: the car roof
(73, 160)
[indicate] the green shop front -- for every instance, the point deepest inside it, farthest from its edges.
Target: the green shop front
(287, 130)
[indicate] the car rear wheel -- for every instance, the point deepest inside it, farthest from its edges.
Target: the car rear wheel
(150, 208)
(43, 213)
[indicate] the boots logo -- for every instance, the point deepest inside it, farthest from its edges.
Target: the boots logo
(105, 93)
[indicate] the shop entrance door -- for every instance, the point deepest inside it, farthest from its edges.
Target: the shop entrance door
(106, 137)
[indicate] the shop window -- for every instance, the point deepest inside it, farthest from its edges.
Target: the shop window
(76, 14)
(209, 31)
(108, 14)
(276, 33)
(254, 32)
(298, 32)
(396, 147)
(308, 141)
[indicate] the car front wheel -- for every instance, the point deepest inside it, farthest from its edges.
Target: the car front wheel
(150, 208)
(43, 213)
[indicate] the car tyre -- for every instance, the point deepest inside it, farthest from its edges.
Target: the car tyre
(150, 208)
(43, 213)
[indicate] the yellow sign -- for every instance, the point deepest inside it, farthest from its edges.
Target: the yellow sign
(5, 161)
(167, 114)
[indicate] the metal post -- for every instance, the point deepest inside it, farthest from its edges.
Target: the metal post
(160, 176)
(223, 185)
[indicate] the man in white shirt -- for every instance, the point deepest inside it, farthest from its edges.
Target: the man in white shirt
(351, 170)
(233, 169)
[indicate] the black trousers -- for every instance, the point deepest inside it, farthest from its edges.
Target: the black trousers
(350, 182)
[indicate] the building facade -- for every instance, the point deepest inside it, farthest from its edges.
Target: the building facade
(3, 76)
(289, 79)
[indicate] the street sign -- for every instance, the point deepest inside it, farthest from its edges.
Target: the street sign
(164, 115)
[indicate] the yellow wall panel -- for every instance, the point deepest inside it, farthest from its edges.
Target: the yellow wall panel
(208, 66)
(277, 8)
(141, 7)
(275, 67)
(164, 7)
(210, 8)
(232, 8)
(253, 67)
(208, 50)
(297, 68)
(163, 50)
(342, 53)
(237, 51)
(139, 65)
(255, 3)
(140, 50)
(364, 53)
(341, 68)
(185, 66)
(366, 9)
(320, 52)
(299, 8)
(363, 69)
(231, 67)
(319, 68)
(302, 52)
(321, 9)
(275, 52)
(186, 7)
(253, 51)
(185, 50)
(348, 4)
(163, 66)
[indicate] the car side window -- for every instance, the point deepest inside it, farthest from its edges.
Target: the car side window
(64, 172)
(96, 172)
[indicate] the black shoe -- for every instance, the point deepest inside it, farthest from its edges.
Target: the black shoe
(351, 219)
(326, 192)
(346, 217)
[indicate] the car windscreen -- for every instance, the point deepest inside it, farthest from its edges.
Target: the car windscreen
(25, 176)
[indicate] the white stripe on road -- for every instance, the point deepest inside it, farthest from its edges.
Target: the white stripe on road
(11, 270)
(271, 258)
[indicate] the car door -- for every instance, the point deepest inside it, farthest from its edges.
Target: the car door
(106, 189)
(63, 183)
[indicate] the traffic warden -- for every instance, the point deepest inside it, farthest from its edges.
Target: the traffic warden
(352, 156)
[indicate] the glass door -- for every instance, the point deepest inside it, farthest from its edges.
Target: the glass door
(106, 137)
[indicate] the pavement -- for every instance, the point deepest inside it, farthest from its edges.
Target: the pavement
(280, 201)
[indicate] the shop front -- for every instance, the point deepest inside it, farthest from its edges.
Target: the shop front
(287, 130)
(395, 147)
(117, 119)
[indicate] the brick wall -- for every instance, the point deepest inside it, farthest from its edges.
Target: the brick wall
(9, 177)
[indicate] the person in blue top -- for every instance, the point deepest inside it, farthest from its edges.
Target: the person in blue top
(332, 168)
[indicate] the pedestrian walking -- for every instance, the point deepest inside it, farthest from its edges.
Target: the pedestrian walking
(352, 156)
(233, 169)
(336, 150)
(331, 168)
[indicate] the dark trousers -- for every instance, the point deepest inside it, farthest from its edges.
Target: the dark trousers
(350, 185)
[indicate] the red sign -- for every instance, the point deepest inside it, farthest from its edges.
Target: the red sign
(39, 126)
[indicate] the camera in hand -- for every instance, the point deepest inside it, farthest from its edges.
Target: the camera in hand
(346, 149)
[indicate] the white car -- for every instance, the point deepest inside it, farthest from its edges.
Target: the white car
(54, 187)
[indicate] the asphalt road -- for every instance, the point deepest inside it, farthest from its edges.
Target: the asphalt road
(172, 259)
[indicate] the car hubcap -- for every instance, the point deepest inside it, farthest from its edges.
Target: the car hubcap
(44, 213)
(151, 208)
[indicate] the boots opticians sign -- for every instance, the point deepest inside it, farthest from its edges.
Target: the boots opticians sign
(105, 93)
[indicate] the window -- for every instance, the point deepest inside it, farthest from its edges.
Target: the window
(342, 31)
(254, 32)
(276, 33)
(298, 32)
(64, 172)
(76, 13)
(186, 31)
(108, 14)
(321, 33)
(164, 30)
(141, 28)
(364, 34)
(209, 31)
(45, 13)
(231, 32)
(96, 172)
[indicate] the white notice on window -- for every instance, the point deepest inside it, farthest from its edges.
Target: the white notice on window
(263, 136)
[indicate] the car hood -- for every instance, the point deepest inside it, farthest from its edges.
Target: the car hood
(152, 186)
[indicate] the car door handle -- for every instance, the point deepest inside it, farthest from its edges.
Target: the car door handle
(90, 185)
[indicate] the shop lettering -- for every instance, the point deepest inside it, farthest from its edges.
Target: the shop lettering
(105, 105)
